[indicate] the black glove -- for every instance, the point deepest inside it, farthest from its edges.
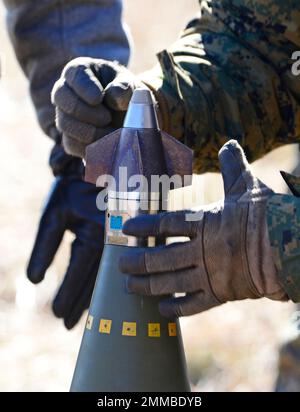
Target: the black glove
(71, 205)
(91, 99)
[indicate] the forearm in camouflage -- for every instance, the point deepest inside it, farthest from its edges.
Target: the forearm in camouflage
(214, 84)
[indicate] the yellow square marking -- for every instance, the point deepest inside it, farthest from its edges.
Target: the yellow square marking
(129, 329)
(172, 327)
(89, 322)
(105, 326)
(154, 330)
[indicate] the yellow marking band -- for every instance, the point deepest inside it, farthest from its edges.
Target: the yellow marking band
(154, 330)
(172, 327)
(105, 326)
(89, 322)
(129, 329)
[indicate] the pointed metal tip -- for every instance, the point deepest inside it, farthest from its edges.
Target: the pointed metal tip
(141, 113)
(142, 96)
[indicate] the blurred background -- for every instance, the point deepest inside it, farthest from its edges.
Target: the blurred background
(232, 348)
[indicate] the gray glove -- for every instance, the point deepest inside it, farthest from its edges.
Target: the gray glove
(227, 258)
(91, 99)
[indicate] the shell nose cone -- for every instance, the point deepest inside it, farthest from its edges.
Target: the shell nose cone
(141, 113)
(142, 96)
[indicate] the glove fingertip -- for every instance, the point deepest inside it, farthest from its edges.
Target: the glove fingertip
(57, 309)
(133, 263)
(35, 274)
(129, 228)
(235, 169)
(233, 153)
(143, 226)
(70, 323)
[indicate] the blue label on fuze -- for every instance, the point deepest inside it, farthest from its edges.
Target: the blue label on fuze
(116, 222)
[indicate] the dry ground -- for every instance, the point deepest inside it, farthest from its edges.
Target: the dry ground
(231, 348)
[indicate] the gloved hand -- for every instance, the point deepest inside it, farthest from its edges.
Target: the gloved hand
(71, 205)
(91, 99)
(227, 258)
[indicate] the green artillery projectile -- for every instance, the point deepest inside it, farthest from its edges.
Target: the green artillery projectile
(127, 345)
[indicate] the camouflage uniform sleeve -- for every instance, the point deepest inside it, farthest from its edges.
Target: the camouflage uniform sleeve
(229, 76)
(283, 217)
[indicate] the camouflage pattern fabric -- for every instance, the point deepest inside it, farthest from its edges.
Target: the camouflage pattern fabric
(283, 216)
(229, 76)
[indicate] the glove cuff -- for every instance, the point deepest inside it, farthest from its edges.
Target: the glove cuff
(63, 164)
